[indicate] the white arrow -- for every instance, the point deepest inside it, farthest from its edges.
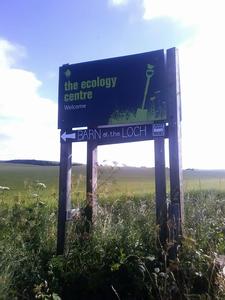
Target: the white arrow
(65, 136)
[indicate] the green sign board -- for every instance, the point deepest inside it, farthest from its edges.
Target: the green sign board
(117, 91)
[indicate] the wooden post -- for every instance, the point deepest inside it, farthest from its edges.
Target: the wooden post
(160, 189)
(176, 211)
(91, 182)
(65, 172)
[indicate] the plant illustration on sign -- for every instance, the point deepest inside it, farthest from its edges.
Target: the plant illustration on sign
(152, 108)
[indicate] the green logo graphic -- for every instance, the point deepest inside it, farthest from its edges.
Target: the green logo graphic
(67, 73)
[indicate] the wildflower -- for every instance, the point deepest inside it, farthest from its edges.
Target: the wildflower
(164, 275)
(4, 188)
(41, 185)
(74, 213)
(151, 258)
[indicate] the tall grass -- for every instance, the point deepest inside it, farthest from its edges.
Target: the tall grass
(119, 259)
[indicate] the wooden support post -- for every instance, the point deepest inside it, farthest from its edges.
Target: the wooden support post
(176, 211)
(160, 189)
(91, 182)
(65, 172)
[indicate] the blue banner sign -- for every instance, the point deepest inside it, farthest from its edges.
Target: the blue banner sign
(110, 135)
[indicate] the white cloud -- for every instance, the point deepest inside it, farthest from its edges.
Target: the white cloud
(118, 2)
(189, 12)
(192, 12)
(202, 65)
(9, 53)
(177, 9)
(27, 121)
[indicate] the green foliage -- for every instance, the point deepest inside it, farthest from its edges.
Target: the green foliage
(119, 258)
(28, 234)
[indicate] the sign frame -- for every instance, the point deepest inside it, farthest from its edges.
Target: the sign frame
(158, 132)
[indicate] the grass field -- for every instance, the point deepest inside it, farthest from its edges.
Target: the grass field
(125, 179)
(122, 257)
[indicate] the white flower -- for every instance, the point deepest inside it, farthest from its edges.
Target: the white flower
(41, 185)
(4, 188)
(223, 270)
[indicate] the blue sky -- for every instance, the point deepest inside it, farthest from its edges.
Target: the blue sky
(55, 32)
(36, 37)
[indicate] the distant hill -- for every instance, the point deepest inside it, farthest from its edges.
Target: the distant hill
(35, 162)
